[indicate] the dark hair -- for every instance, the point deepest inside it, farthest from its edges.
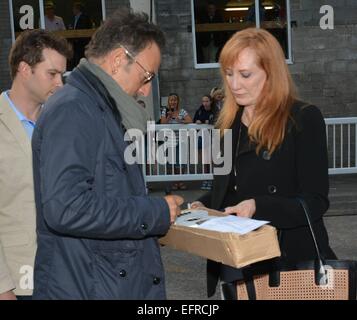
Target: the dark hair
(124, 27)
(78, 5)
(29, 47)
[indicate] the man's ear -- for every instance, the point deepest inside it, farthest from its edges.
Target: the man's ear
(24, 69)
(117, 59)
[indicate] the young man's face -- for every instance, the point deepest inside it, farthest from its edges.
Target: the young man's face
(46, 77)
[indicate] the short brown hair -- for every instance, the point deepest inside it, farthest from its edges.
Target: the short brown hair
(125, 27)
(29, 47)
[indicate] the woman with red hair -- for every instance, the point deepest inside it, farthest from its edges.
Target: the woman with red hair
(279, 153)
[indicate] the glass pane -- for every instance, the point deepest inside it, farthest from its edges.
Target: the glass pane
(74, 20)
(26, 15)
(274, 19)
(216, 21)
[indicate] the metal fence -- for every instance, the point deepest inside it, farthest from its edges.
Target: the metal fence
(341, 136)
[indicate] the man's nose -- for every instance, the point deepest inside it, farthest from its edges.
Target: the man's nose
(145, 89)
(58, 80)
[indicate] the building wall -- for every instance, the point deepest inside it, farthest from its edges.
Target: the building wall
(324, 68)
(325, 61)
(5, 45)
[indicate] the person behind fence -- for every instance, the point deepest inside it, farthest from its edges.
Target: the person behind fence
(279, 152)
(37, 61)
(174, 114)
(97, 228)
(204, 115)
(217, 95)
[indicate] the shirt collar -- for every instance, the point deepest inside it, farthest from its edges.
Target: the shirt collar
(18, 113)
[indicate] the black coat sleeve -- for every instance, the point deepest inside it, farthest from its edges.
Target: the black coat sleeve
(71, 203)
(312, 176)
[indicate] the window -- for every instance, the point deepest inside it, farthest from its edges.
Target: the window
(75, 20)
(215, 21)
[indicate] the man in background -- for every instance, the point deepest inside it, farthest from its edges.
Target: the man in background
(37, 61)
(52, 22)
(80, 21)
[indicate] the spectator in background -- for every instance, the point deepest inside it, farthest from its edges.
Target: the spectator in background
(204, 115)
(210, 43)
(251, 12)
(52, 22)
(217, 95)
(80, 21)
(173, 114)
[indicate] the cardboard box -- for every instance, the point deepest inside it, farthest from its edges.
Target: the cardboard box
(228, 248)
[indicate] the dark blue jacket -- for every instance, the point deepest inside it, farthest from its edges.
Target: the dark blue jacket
(97, 229)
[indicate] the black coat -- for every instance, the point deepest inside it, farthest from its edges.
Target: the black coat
(97, 229)
(298, 168)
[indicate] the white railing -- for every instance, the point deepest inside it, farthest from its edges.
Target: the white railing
(198, 167)
(341, 136)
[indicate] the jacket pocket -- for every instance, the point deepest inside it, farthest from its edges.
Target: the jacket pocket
(13, 239)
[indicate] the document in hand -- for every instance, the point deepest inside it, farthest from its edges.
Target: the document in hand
(232, 224)
(201, 219)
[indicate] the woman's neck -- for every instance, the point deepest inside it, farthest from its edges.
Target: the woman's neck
(248, 115)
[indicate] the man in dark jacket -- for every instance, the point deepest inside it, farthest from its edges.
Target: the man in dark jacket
(80, 21)
(97, 229)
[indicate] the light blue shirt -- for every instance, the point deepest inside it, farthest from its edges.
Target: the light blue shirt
(28, 125)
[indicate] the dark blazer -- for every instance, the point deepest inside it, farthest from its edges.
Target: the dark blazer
(298, 168)
(83, 22)
(97, 229)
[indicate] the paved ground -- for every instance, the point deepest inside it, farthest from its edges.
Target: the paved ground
(185, 273)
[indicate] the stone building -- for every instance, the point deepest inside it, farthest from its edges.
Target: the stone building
(324, 62)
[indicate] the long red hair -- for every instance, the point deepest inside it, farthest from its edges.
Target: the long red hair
(272, 110)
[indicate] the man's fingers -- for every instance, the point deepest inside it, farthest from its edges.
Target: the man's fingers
(179, 200)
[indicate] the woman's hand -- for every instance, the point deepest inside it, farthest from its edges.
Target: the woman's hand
(244, 209)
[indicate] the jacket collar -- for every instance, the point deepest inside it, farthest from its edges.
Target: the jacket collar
(11, 121)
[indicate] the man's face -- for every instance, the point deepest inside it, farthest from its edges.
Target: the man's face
(49, 12)
(46, 77)
(131, 76)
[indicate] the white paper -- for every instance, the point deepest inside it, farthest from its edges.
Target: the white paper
(232, 224)
(193, 218)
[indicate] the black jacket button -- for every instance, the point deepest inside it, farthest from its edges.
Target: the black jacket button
(144, 226)
(156, 281)
(122, 273)
(272, 189)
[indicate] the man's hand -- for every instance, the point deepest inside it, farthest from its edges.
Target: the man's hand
(245, 209)
(7, 296)
(174, 203)
(196, 204)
